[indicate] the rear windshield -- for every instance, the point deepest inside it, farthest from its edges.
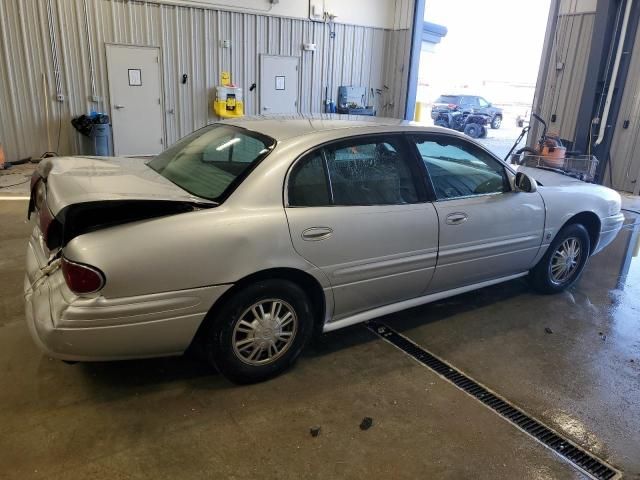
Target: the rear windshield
(448, 99)
(211, 162)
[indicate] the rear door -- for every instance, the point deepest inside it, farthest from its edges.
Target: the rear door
(470, 104)
(357, 210)
(487, 231)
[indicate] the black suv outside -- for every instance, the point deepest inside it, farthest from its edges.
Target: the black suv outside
(469, 103)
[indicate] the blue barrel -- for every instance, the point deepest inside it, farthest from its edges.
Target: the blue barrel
(98, 142)
(101, 140)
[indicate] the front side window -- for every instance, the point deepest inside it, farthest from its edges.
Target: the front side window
(458, 168)
(358, 172)
(210, 161)
(483, 103)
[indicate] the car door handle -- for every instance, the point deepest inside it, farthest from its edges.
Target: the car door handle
(314, 234)
(118, 106)
(456, 218)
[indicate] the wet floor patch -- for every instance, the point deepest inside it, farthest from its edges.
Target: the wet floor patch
(571, 452)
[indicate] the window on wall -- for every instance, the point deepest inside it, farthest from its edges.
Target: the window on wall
(359, 172)
(458, 168)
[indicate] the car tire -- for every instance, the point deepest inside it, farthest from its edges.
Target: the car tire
(483, 132)
(563, 261)
(473, 130)
(245, 323)
(496, 122)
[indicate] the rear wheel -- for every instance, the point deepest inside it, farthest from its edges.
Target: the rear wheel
(563, 262)
(260, 331)
(473, 130)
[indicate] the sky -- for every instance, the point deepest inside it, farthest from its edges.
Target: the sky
(490, 40)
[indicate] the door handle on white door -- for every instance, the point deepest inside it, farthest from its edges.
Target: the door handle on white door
(456, 218)
(265, 108)
(314, 234)
(118, 106)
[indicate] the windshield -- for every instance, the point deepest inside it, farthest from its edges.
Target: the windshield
(210, 162)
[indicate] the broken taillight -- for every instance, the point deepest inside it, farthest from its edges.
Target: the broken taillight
(81, 278)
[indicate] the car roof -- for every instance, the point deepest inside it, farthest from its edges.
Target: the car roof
(283, 127)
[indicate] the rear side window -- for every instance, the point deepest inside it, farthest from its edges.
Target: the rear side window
(308, 186)
(358, 172)
(448, 99)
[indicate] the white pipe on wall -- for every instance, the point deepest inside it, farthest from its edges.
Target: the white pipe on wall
(614, 74)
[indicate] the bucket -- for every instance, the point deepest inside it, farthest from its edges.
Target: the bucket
(553, 154)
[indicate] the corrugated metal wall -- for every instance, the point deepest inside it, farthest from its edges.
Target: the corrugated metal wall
(625, 161)
(561, 91)
(189, 42)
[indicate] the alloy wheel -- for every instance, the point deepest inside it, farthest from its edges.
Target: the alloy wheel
(565, 260)
(264, 332)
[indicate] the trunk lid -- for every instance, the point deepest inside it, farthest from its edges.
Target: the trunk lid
(74, 180)
(76, 195)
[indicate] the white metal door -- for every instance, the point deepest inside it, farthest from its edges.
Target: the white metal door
(278, 84)
(135, 94)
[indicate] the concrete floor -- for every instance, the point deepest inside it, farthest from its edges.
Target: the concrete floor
(173, 418)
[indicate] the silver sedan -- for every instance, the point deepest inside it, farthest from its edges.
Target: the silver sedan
(246, 237)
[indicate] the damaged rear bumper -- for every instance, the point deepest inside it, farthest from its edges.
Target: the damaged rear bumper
(70, 327)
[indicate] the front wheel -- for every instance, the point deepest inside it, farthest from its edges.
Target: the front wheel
(260, 331)
(563, 262)
(496, 122)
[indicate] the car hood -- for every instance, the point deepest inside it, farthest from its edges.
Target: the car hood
(548, 178)
(73, 180)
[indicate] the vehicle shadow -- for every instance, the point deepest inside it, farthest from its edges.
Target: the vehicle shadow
(126, 377)
(417, 316)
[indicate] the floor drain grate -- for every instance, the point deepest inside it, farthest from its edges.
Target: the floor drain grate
(582, 459)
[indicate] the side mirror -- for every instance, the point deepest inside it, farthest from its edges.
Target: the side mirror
(524, 183)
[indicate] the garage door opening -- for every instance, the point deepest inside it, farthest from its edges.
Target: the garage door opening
(485, 61)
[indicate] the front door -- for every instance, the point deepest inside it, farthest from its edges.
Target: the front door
(357, 211)
(487, 231)
(278, 84)
(135, 96)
